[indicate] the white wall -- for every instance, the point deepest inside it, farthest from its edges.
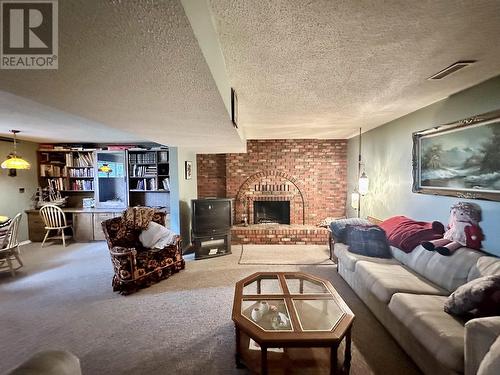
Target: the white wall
(387, 154)
(182, 191)
(11, 200)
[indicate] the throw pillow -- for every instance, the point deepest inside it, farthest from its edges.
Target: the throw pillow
(367, 240)
(479, 297)
(406, 234)
(152, 234)
(325, 223)
(338, 227)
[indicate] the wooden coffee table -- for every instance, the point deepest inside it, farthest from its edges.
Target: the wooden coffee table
(298, 313)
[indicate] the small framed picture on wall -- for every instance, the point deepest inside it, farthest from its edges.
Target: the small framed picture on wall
(188, 170)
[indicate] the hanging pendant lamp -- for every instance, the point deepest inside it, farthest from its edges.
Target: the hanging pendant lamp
(14, 161)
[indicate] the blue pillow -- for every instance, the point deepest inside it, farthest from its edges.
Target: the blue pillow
(368, 240)
(338, 227)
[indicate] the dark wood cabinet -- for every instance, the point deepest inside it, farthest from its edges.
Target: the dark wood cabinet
(212, 245)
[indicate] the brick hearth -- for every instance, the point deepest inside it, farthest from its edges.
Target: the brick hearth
(279, 234)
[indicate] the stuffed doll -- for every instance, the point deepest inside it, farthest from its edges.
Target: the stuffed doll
(463, 230)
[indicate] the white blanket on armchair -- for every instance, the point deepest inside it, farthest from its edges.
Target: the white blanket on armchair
(156, 236)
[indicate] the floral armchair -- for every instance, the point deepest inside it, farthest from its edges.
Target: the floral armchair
(135, 266)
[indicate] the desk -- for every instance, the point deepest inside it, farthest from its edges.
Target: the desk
(86, 223)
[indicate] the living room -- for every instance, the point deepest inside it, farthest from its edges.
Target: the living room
(250, 187)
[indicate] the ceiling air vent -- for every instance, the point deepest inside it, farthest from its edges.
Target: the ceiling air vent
(451, 69)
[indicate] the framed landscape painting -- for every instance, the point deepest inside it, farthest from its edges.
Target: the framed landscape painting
(460, 159)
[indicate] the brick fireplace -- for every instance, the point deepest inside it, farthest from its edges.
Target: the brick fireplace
(309, 175)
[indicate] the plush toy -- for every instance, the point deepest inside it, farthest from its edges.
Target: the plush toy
(463, 230)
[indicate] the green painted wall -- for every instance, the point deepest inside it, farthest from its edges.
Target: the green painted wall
(11, 200)
(387, 154)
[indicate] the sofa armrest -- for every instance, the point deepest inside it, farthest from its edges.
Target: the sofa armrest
(480, 334)
(118, 253)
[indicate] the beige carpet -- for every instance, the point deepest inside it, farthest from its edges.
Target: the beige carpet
(298, 255)
(62, 299)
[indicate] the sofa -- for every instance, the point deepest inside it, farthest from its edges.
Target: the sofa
(407, 294)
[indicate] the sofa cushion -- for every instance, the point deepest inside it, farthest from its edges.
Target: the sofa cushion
(440, 333)
(349, 259)
(402, 256)
(449, 272)
(485, 266)
(384, 280)
(367, 240)
(338, 227)
(479, 297)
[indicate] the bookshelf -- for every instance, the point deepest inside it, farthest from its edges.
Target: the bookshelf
(69, 171)
(149, 177)
(73, 173)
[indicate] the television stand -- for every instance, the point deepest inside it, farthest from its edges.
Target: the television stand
(211, 245)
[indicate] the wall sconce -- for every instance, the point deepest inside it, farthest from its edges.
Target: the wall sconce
(363, 184)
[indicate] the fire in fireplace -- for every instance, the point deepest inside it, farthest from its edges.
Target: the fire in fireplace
(271, 212)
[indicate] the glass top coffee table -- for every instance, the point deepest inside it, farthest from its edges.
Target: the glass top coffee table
(274, 312)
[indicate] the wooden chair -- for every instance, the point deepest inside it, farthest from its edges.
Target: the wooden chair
(9, 249)
(54, 219)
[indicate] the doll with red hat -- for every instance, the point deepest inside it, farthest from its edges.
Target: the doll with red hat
(463, 230)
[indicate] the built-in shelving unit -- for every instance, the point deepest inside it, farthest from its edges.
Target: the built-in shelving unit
(69, 171)
(149, 177)
(73, 173)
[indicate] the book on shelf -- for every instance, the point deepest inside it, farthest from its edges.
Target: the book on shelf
(152, 184)
(166, 184)
(82, 185)
(120, 147)
(51, 170)
(146, 184)
(58, 183)
(142, 171)
(140, 185)
(80, 159)
(163, 157)
(143, 158)
(84, 172)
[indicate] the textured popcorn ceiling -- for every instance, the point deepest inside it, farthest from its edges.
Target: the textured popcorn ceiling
(134, 70)
(320, 69)
(134, 67)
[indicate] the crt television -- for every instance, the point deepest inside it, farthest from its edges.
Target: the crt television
(211, 215)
